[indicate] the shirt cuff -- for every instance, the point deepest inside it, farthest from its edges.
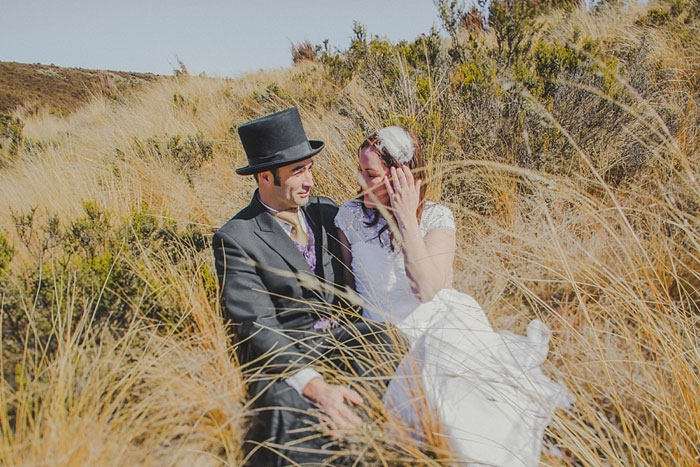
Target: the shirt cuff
(300, 379)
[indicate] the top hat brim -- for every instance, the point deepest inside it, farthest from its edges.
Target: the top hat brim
(316, 147)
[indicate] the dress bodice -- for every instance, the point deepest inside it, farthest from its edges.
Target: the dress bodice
(380, 272)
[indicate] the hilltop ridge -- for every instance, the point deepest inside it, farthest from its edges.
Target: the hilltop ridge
(60, 89)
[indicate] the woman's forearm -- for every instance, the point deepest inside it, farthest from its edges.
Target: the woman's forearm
(428, 259)
(428, 273)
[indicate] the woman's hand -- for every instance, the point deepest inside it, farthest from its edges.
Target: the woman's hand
(404, 196)
(428, 259)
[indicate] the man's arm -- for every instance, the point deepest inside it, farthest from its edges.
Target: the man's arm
(249, 307)
(244, 299)
(300, 379)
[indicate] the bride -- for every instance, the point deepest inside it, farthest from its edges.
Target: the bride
(487, 388)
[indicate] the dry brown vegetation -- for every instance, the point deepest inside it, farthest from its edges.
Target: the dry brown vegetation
(58, 89)
(570, 158)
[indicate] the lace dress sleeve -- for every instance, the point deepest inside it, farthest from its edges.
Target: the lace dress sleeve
(436, 216)
(347, 220)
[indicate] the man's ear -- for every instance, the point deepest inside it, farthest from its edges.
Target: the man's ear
(265, 178)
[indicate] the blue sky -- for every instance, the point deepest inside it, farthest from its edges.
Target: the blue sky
(220, 38)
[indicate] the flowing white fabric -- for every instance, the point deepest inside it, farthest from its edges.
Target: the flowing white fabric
(487, 387)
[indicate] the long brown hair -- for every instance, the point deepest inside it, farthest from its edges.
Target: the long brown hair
(416, 164)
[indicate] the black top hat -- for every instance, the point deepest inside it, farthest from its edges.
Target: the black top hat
(275, 140)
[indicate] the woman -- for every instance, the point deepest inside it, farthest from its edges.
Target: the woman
(487, 388)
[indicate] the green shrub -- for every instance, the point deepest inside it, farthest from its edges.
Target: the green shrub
(512, 22)
(466, 97)
(6, 252)
(188, 152)
(89, 232)
(551, 60)
(191, 151)
(189, 105)
(655, 17)
(98, 263)
(10, 138)
(475, 77)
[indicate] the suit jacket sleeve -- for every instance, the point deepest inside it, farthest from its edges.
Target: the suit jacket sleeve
(244, 299)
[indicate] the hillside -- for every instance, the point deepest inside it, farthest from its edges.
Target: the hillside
(59, 89)
(566, 143)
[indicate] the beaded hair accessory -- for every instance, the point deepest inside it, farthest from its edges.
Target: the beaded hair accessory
(397, 142)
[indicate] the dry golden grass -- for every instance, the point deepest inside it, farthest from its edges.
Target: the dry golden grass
(613, 270)
(143, 397)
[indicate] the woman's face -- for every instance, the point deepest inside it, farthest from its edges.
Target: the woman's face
(372, 174)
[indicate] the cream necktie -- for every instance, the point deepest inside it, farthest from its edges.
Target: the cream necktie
(291, 217)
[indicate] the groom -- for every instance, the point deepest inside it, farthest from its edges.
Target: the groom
(277, 261)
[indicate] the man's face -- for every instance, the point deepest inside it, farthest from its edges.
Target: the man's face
(293, 188)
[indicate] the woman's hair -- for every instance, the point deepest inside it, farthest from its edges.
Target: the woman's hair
(415, 163)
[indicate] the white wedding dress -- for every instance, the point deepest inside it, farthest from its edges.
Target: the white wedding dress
(487, 387)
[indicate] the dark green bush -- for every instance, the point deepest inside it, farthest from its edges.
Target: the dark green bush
(512, 22)
(97, 263)
(188, 152)
(10, 138)
(551, 60)
(470, 97)
(7, 251)
(191, 151)
(655, 17)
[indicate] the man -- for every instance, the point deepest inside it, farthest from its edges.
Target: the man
(277, 261)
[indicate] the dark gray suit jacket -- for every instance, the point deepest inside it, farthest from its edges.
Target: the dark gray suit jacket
(268, 290)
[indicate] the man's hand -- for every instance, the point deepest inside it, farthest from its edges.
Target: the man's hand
(331, 398)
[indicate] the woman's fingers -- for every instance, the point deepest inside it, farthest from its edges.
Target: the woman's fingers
(408, 175)
(399, 177)
(387, 184)
(394, 178)
(402, 187)
(402, 178)
(389, 189)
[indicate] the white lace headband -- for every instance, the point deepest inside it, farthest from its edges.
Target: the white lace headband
(397, 142)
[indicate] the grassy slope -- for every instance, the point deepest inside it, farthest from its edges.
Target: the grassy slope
(59, 89)
(610, 267)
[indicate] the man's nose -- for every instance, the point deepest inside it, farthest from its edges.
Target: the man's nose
(309, 179)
